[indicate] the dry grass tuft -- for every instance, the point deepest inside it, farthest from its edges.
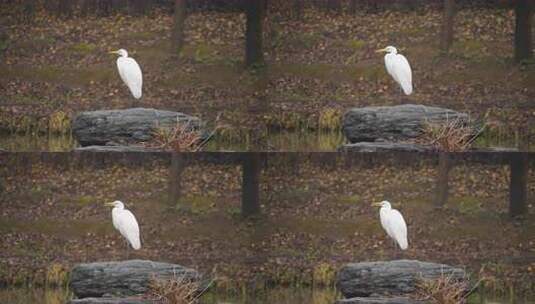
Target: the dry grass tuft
(446, 289)
(176, 290)
(182, 137)
(454, 135)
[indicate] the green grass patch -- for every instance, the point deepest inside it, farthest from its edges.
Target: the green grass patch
(202, 52)
(355, 44)
(304, 40)
(83, 48)
(328, 72)
(197, 204)
(143, 35)
(59, 75)
(372, 73)
(349, 199)
(62, 228)
(35, 43)
(469, 49)
(85, 200)
(467, 205)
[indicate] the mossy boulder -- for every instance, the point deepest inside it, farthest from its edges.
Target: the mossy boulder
(126, 127)
(124, 278)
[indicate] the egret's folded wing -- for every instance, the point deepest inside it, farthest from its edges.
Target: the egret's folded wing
(398, 228)
(129, 228)
(403, 73)
(130, 73)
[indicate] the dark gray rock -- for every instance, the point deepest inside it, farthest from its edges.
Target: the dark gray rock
(124, 278)
(110, 301)
(114, 149)
(373, 300)
(393, 123)
(384, 147)
(125, 126)
(390, 277)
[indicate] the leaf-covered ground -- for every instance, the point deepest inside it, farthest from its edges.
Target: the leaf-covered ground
(315, 216)
(317, 67)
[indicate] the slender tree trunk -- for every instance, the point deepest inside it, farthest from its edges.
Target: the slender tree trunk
(253, 36)
(118, 5)
(353, 6)
(139, 7)
(28, 11)
(65, 8)
(442, 187)
(446, 36)
(251, 184)
(518, 181)
(523, 43)
(298, 8)
(178, 25)
(334, 5)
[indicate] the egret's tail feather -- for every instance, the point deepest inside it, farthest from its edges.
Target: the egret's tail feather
(137, 95)
(403, 244)
(136, 244)
(407, 88)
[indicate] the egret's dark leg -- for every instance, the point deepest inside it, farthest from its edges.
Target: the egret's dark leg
(126, 244)
(395, 244)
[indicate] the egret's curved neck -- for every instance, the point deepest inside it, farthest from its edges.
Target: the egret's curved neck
(386, 208)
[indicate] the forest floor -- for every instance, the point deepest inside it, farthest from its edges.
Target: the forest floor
(316, 68)
(314, 218)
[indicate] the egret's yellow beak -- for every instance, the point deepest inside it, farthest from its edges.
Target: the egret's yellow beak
(376, 204)
(381, 50)
(109, 204)
(113, 52)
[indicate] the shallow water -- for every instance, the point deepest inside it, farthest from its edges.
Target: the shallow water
(303, 141)
(275, 295)
(280, 141)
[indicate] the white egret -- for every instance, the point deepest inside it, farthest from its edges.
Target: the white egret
(398, 67)
(393, 223)
(130, 72)
(125, 222)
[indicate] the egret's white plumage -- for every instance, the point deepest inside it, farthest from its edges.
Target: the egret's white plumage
(125, 222)
(130, 72)
(393, 223)
(398, 67)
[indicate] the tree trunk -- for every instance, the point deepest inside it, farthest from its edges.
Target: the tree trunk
(28, 11)
(65, 8)
(178, 26)
(334, 5)
(298, 8)
(523, 47)
(253, 36)
(518, 181)
(442, 187)
(139, 7)
(353, 6)
(446, 36)
(251, 184)
(175, 177)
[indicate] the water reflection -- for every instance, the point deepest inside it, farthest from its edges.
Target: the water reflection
(34, 295)
(31, 142)
(280, 295)
(277, 141)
